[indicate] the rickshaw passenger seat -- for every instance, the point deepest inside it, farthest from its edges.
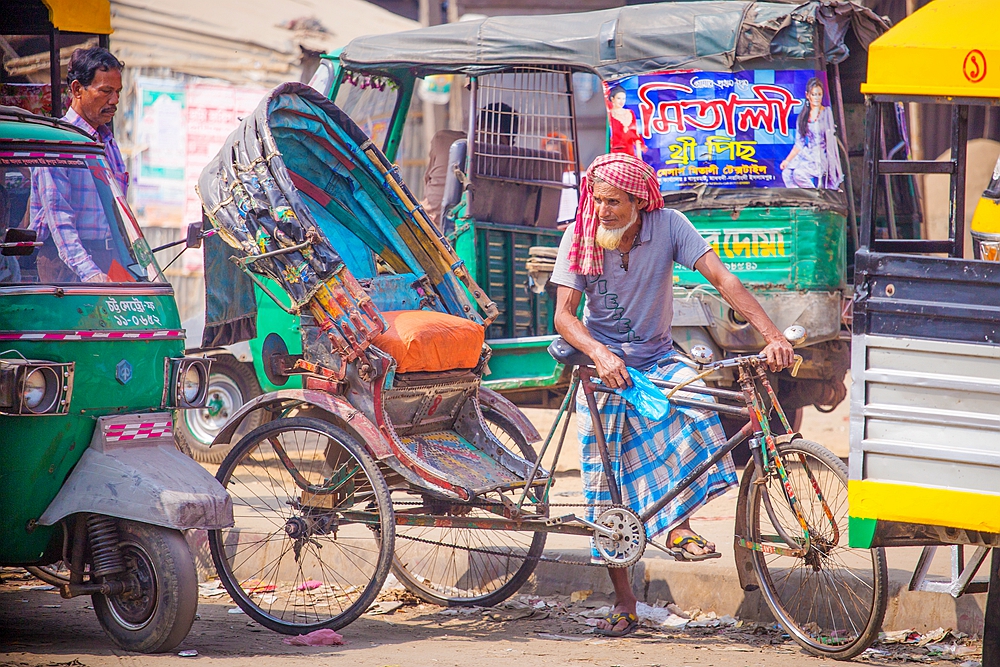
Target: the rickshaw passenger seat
(566, 354)
(429, 341)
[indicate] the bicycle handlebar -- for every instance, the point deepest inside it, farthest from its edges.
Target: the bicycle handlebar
(736, 361)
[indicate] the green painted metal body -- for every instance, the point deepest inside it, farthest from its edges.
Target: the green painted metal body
(783, 247)
(272, 319)
(38, 452)
(861, 532)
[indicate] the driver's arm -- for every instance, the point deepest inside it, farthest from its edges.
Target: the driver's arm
(778, 350)
(610, 368)
(55, 193)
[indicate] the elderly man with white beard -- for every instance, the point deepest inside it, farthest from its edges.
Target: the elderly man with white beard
(620, 253)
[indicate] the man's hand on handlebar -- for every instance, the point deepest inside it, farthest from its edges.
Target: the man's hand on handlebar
(779, 354)
(611, 369)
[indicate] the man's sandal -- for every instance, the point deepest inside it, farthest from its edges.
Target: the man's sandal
(678, 551)
(613, 619)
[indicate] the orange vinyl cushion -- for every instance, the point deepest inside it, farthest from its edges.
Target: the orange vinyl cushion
(425, 340)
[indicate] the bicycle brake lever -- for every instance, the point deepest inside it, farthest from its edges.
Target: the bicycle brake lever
(795, 366)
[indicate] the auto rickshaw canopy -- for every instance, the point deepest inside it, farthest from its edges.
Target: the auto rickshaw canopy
(38, 17)
(90, 16)
(711, 36)
(948, 48)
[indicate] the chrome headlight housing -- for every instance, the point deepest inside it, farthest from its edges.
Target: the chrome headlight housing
(187, 382)
(33, 387)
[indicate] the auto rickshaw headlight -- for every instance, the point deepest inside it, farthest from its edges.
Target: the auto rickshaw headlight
(192, 384)
(188, 379)
(40, 390)
(31, 387)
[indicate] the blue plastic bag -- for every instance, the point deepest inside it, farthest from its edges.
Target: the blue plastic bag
(645, 396)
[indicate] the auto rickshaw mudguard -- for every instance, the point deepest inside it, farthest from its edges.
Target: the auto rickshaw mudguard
(132, 470)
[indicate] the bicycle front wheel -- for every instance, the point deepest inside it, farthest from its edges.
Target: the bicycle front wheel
(313, 535)
(831, 600)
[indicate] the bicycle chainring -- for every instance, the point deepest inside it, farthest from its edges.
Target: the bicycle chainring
(627, 548)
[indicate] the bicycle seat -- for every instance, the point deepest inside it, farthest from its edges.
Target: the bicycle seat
(565, 353)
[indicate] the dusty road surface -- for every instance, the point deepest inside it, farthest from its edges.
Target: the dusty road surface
(38, 628)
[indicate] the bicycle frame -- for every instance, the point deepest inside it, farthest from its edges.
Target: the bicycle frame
(511, 517)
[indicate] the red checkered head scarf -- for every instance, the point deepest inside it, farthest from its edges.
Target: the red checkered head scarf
(624, 172)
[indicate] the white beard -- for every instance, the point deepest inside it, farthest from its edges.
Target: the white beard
(610, 239)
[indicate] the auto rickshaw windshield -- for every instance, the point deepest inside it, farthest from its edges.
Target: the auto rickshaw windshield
(80, 216)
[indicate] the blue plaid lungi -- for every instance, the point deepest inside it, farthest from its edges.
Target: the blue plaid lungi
(649, 457)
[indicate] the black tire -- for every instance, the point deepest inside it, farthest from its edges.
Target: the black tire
(459, 571)
(256, 559)
(230, 384)
(160, 617)
(831, 601)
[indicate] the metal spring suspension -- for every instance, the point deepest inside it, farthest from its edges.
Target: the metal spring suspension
(102, 532)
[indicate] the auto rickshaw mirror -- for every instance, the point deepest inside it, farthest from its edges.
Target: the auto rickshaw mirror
(194, 237)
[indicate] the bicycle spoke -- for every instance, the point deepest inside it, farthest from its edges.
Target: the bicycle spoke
(290, 561)
(832, 599)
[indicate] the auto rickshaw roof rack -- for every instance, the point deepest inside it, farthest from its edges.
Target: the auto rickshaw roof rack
(613, 43)
(947, 49)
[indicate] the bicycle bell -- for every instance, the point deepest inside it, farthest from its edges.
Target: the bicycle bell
(795, 334)
(702, 355)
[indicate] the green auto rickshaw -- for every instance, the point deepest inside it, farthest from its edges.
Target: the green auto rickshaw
(93, 493)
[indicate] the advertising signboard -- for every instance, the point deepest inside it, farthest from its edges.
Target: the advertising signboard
(760, 128)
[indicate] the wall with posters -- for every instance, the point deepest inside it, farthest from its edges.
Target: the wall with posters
(178, 126)
(761, 128)
(160, 150)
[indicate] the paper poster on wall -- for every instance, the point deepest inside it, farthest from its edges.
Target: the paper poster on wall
(158, 163)
(761, 128)
(213, 112)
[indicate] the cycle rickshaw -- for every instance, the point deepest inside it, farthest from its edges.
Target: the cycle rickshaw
(393, 456)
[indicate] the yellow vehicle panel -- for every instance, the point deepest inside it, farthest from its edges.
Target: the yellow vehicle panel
(948, 48)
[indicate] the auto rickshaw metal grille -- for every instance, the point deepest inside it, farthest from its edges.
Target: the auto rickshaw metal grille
(524, 127)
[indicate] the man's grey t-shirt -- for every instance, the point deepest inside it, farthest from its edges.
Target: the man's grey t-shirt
(630, 311)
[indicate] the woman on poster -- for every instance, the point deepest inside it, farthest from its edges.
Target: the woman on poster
(814, 161)
(624, 134)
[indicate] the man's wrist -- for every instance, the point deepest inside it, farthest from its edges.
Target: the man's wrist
(774, 336)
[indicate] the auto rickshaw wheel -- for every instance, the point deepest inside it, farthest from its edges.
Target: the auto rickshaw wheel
(428, 561)
(230, 385)
(157, 611)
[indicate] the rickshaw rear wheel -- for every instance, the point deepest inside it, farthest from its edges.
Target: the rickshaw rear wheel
(446, 572)
(159, 615)
(832, 600)
(313, 535)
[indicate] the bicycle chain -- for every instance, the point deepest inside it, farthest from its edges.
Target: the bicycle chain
(482, 505)
(490, 552)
